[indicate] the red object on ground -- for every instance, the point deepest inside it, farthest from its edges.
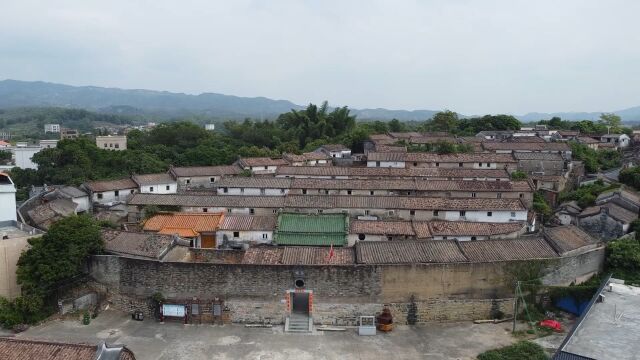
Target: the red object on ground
(552, 324)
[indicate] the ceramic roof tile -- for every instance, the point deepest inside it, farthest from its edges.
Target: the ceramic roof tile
(153, 179)
(248, 222)
(468, 228)
(206, 170)
(381, 227)
(568, 238)
(110, 185)
(508, 249)
(198, 222)
(407, 252)
(136, 244)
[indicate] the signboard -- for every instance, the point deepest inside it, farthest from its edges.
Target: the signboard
(173, 310)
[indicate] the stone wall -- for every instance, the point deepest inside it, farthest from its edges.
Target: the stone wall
(256, 293)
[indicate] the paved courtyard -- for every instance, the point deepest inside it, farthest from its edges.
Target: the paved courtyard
(150, 340)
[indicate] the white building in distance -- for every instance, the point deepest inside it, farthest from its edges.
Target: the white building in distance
(210, 127)
(112, 142)
(51, 128)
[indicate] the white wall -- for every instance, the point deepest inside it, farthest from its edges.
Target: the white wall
(485, 165)
(83, 203)
(269, 169)
(7, 203)
(499, 216)
(23, 157)
(252, 191)
(159, 189)
(386, 164)
(110, 196)
(245, 236)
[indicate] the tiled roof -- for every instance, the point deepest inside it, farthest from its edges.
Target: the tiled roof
(153, 179)
(136, 244)
(296, 255)
(538, 156)
(381, 227)
(568, 132)
(110, 185)
(22, 349)
(262, 161)
(404, 135)
(390, 148)
(587, 140)
(407, 252)
(248, 223)
(460, 228)
(208, 201)
(311, 229)
(509, 249)
(422, 229)
(197, 222)
(353, 184)
(380, 137)
(314, 155)
(528, 139)
(390, 172)
(529, 146)
(432, 139)
(615, 211)
(206, 170)
(568, 238)
(458, 158)
(386, 156)
(474, 185)
(329, 202)
(334, 147)
(255, 182)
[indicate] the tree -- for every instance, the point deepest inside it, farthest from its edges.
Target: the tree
(612, 121)
(5, 155)
(396, 126)
(518, 175)
(443, 121)
(623, 259)
(631, 177)
(58, 255)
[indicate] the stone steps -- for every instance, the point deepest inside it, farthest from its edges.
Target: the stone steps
(298, 323)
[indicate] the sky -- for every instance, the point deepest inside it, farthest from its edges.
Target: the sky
(473, 57)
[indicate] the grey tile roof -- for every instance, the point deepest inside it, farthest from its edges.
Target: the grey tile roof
(248, 223)
(390, 172)
(153, 179)
(508, 249)
(111, 185)
(148, 245)
(206, 170)
(407, 252)
(568, 238)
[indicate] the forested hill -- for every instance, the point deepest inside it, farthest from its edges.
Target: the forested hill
(111, 100)
(164, 104)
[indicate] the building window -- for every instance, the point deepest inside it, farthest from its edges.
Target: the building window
(320, 211)
(480, 164)
(513, 214)
(389, 237)
(489, 213)
(229, 211)
(361, 236)
(463, 213)
(132, 191)
(205, 210)
(241, 190)
(275, 211)
(371, 192)
(105, 144)
(326, 192)
(225, 190)
(151, 189)
(348, 192)
(304, 191)
(366, 212)
(473, 195)
(262, 191)
(444, 238)
(265, 236)
(415, 164)
(168, 187)
(188, 181)
(488, 164)
(236, 234)
(117, 146)
(499, 195)
(521, 196)
(212, 179)
(436, 212)
(252, 211)
(459, 164)
(473, 238)
(377, 163)
(412, 212)
(116, 193)
(99, 196)
(281, 191)
(437, 164)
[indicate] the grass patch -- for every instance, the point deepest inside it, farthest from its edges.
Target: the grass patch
(518, 351)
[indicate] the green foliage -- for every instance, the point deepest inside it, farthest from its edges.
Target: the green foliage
(449, 121)
(518, 351)
(623, 259)
(26, 309)
(611, 121)
(150, 211)
(5, 155)
(245, 173)
(631, 177)
(519, 175)
(440, 147)
(444, 121)
(595, 160)
(586, 195)
(58, 255)
(540, 205)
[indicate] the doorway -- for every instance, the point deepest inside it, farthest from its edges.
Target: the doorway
(208, 241)
(300, 303)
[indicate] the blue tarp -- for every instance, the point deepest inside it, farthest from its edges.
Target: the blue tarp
(570, 304)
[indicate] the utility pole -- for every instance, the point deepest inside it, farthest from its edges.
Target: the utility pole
(515, 306)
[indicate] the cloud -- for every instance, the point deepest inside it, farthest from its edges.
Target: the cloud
(474, 57)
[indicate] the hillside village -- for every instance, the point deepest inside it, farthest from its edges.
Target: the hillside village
(323, 237)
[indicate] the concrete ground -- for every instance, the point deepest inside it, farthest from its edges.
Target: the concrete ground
(150, 340)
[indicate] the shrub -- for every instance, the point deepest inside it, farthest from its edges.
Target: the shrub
(518, 175)
(623, 259)
(518, 351)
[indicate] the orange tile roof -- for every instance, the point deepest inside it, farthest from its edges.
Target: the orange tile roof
(184, 224)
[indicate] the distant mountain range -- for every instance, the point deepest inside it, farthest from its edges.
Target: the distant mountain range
(14, 93)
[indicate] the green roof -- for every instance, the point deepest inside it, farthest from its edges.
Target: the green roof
(311, 239)
(312, 229)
